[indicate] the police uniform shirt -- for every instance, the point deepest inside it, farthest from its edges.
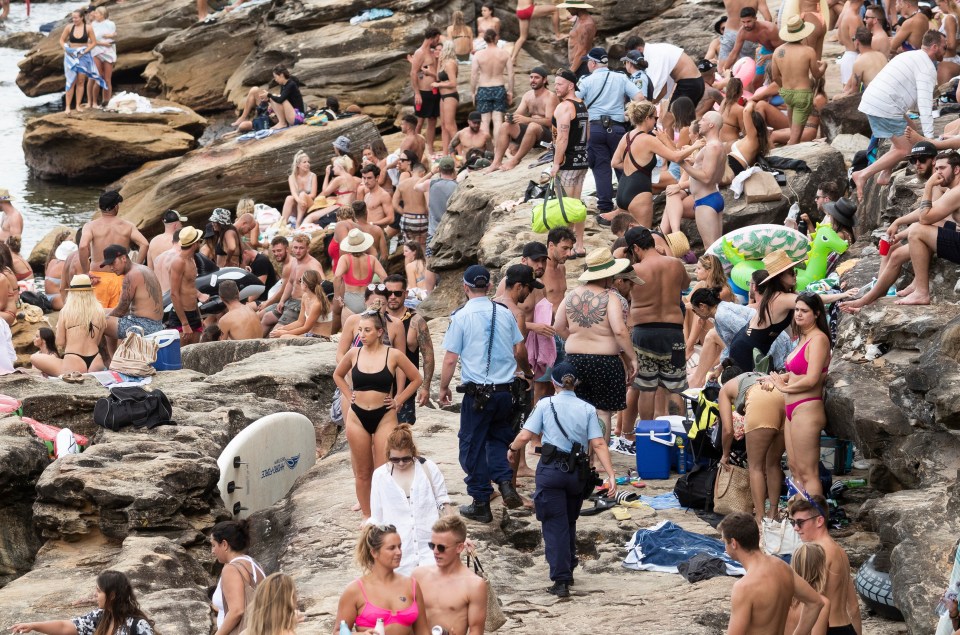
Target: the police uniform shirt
(469, 337)
(606, 100)
(578, 418)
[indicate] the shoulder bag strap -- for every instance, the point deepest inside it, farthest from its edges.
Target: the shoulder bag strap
(546, 200)
(558, 188)
(493, 326)
(600, 92)
(557, 419)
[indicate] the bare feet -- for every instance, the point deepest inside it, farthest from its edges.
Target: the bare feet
(236, 123)
(915, 298)
(493, 167)
(509, 164)
(355, 508)
(859, 181)
(905, 292)
(884, 177)
(525, 472)
(527, 502)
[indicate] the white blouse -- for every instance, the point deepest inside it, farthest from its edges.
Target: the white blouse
(413, 517)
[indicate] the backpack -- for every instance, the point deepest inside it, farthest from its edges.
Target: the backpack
(704, 435)
(695, 488)
(133, 406)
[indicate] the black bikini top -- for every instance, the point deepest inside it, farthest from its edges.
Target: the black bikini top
(83, 39)
(380, 381)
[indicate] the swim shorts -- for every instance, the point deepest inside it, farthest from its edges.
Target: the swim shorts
(661, 355)
(291, 311)
(545, 134)
(572, 178)
(525, 14)
(149, 326)
(108, 288)
(604, 380)
(887, 127)
(846, 629)
(408, 412)
(193, 317)
(800, 101)
(714, 200)
(692, 87)
(414, 223)
(948, 242)
(429, 105)
(491, 99)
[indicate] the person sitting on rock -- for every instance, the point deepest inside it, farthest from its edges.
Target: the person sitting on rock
(287, 307)
(470, 137)
(288, 105)
(315, 316)
(528, 125)
(80, 328)
(343, 185)
(53, 268)
(256, 107)
(303, 190)
(141, 302)
(240, 322)
(379, 204)
(12, 224)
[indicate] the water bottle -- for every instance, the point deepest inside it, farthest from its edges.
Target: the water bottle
(794, 211)
(439, 630)
(802, 227)
(655, 174)
(855, 482)
(379, 628)
(681, 457)
(344, 629)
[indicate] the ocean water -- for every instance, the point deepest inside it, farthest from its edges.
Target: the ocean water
(44, 204)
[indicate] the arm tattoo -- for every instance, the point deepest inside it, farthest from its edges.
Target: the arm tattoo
(126, 297)
(587, 308)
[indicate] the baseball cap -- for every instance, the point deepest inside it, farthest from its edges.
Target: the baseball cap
(541, 71)
(598, 54)
(110, 199)
(524, 275)
(923, 149)
(111, 253)
(447, 164)
(474, 116)
(564, 369)
(535, 251)
(172, 216)
(636, 234)
(476, 277)
(705, 66)
(568, 75)
(634, 57)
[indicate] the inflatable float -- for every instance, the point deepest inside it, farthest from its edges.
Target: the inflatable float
(249, 285)
(875, 588)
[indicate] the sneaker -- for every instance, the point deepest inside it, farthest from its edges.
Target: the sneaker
(626, 447)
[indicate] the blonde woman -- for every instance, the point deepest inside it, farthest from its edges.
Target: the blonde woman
(342, 184)
(274, 607)
(355, 270)
(449, 94)
(461, 37)
(315, 315)
(303, 189)
(79, 331)
(104, 55)
(710, 275)
(949, 23)
(810, 562)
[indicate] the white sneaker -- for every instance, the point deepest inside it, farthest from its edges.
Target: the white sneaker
(626, 447)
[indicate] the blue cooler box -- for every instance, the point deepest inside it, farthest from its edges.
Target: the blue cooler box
(654, 445)
(168, 349)
(679, 429)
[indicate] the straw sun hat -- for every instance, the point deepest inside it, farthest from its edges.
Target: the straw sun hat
(776, 262)
(356, 242)
(796, 29)
(601, 264)
(678, 243)
(80, 282)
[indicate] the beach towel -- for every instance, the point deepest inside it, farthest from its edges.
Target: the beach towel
(371, 14)
(665, 546)
(662, 501)
(541, 350)
(75, 63)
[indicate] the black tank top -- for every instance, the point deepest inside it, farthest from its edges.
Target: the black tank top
(82, 39)
(575, 158)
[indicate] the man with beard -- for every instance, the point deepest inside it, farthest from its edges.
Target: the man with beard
(470, 137)
(765, 36)
(141, 302)
(571, 131)
(287, 308)
(528, 125)
(418, 342)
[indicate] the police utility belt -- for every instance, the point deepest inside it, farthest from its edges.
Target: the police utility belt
(575, 461)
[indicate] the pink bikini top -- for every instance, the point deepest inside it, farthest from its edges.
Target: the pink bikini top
(371, 612)
(798, 363)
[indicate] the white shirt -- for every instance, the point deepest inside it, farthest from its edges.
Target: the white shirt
(217, 599)
(8, 356)
(905, 83)
(413, 517)
(661, 58)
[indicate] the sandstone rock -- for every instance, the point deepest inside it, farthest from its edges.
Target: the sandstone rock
(840, 116)
(686, 25)
(38, 256)
(23, 333)
(20, 40)
(849, 145)
(22, 458)
(220, 174)
(212, 357)
(103, 144)
(825, 163)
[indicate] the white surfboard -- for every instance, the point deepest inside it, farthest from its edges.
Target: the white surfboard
(259, 466)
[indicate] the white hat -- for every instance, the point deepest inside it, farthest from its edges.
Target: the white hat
(356, 242)
(64, 250)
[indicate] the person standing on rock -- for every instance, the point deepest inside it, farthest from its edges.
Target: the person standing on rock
(761, 599)
(528, 125)
(582, 35)
(454, 597)
(906, 83)
(868, 64)
(109, 229)
(410, 207)
(560, 242)
(809, 516)
(795, 67)
(484, 337)
(378, 203)
(288, 105)
(847, 25)
(527, 10)
(12, 224)
(423, 72)
(439, 189)
(571, 131)
(564, 423)
(418, 342)
(141, 301)
(185, 316)
(172, 221)
(77, 40)
(490, 95)
(228, 245)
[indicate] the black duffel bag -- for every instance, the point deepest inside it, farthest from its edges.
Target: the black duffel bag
(694, 489)
(133, 406)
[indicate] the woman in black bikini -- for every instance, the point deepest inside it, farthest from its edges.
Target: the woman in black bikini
(80, 39)
(449, 95)
(373, 409)
(79, 331)
(637, 155)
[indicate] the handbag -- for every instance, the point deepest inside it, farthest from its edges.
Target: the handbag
(731, 492)
(135, 354)
(779, 538)
(762, 187)
(556, 210)
(495, 617)
(443, 509)
(132, 405)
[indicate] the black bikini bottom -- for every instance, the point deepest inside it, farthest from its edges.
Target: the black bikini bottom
(369, 419)
(87, 359)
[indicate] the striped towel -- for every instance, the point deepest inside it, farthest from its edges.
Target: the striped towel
(74, 62)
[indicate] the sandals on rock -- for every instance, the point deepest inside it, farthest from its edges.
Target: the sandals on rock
(600, 505)
(72, 377)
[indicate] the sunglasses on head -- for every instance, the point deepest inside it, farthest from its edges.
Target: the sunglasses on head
(400, 460)
(377, 287)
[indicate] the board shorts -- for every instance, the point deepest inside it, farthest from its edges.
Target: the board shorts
(429, 105)
(414, 223)
(887, 127)
(408, 411)
(146, 324)
(604, 380)
(713, 200)
(545, 134)
(572, 178)
(800, 101)
(108, 288)
(291, 311)
(948, 242)
(661, 356)
(692, 87)
(193, 317)
(491, 99)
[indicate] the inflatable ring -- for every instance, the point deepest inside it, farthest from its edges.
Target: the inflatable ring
(875, 588)
(745, 70)
(8, 405)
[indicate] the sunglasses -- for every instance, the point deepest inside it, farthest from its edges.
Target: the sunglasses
(914, 160)
(401, 460)
(798, 522)
(439, 548)
(377, 287)
(396, 294)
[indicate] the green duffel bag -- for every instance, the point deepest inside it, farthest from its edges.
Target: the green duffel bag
(556, 210)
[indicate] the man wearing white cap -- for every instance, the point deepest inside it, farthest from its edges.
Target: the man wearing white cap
(12, 224)
(794, 67)
(172, 221)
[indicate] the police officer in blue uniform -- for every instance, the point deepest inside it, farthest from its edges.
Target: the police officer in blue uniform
(483, 335)
(565, 424)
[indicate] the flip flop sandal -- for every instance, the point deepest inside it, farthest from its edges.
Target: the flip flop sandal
(601, 505)
(622, 497)
(621, 514)
(73, 378)
(638, 484)
(635, 505)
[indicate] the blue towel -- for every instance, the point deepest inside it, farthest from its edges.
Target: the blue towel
(662, 501)
(371, 14)
(666, 545)
(74, 63)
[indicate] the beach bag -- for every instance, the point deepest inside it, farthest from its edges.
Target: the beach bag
(135, 354)
(762, 187)
(556, 210)
(731, 492)
(495, 616)
(694, 490)
(132, 405)
(779, 538)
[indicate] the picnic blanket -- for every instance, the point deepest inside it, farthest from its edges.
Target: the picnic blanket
(665, 546)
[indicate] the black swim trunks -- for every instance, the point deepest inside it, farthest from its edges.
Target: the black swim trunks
(661, 355)
(604, 383)
(948, 242)
(491, 99)
(193, 317)
(846, 629)
(429, 105)
(545, 134)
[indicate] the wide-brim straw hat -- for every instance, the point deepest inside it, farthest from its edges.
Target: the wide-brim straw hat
(601, 264)
(189, 236)
(678, 243)
(5, 195)
(319, 203)
(80, 282)
(574, 4)
(776, 262)
(796, 29)
(356, 242)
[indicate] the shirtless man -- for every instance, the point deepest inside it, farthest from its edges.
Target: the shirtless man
(380, 244)
(869, 62)
(795, 66)
(240, 322)
(183, 288)
(753, 31)
(528, 125)
(582, 37)
(874, 19)
(162, 262)
(378, 202)
(109, 229)
(141, 301)
(728, 38)
(847, 25)
(12, 224)
(593, 321)
(559, 248)
(526, 11)
(809, 519)
(287, 308)
(760, 600)
(454, 597)
(423, 72)
(657, 321)
(909, 37)
(412, 140)
(172, 221)
(704, 203)
(410, 206)
(470, 137)
(490, 96)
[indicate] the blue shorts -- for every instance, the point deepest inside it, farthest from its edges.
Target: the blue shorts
(714, 200)
(491, 99)
(149, 326)
(886, 127)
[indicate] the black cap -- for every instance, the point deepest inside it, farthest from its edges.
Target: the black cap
(598, 54)
(923, 149)
(541, 71)
(635, 235)
(477, 277)
(535, 251)
(111, 253)
(474, 116)
(173, 216)
(524, 275)
(110, 199)
(568, 75)
(705, 66)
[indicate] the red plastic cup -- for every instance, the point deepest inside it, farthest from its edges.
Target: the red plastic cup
(884, 246)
